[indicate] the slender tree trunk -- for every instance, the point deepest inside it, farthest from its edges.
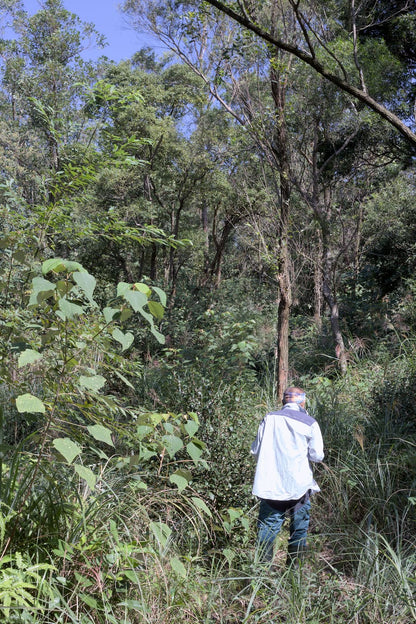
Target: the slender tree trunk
(220, 243)
(281, 153)
(332, 303)
(317, 283)
(324, 270)
(153, 262)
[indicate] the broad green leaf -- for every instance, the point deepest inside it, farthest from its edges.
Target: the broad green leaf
(27, 403)
(143, 431)
(51, 265)
(94, 382)
(233, 513)
(86, 282)
(67, 448)
(191, 427)
(144, 288)
(159, 337)
(179, 479)
(126, 340)
(86, 474)
(194, 451)
(178, 567)
(68, 310)
(136, 299)
(145, 453)
(161, 531)
(161, 294)
(101, 433)
(157, 417)
(28, 356)
(122, 287)
(156, 309)
(172, 444)
(59, 264)
(200, 504)
(110, 313)
(125, 314)
(64, 287)
(41, 289)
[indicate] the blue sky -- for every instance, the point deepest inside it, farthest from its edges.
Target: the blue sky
(122, 40)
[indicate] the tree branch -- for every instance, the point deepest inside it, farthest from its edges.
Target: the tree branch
(342, 84)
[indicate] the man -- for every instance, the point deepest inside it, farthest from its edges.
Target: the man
(287, 441)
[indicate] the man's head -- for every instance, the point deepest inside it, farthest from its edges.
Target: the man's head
(294, 395)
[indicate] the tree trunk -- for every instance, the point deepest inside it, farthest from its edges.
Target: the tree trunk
(331, 301)
(324, 271)
(281, 153)
(317, 284)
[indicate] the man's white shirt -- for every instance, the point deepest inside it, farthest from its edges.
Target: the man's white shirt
(287, 441)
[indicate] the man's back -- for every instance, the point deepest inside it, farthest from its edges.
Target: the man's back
(286, 442)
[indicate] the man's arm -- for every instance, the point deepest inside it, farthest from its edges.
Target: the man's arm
(255, 447)
(316, 444)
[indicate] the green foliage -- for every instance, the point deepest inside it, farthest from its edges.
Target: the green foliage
(140, 283)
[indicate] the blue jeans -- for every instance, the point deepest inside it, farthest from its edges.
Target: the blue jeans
(270, 522)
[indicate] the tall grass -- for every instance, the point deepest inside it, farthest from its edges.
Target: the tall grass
(124, 554)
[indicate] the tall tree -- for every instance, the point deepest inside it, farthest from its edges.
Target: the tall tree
(241, 74)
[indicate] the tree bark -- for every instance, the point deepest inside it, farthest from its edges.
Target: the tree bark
(281, 152)
(330, 299)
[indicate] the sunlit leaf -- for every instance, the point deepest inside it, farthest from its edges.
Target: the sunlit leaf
(136, 299)
(101, 433)
(180, 478)
(69, 310)
(110, 313)
(122, 287)
(27, 403)
(41, 289)
(86, 282)
(126, 340)
(94, 382)
(86, 474)
(161, 294)
(159, 337)
(172, 444)
(144, 288)
(28, 356)
(200, 504)
(67, 448)
(194, 451)
(59, 264)
(191, 427)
